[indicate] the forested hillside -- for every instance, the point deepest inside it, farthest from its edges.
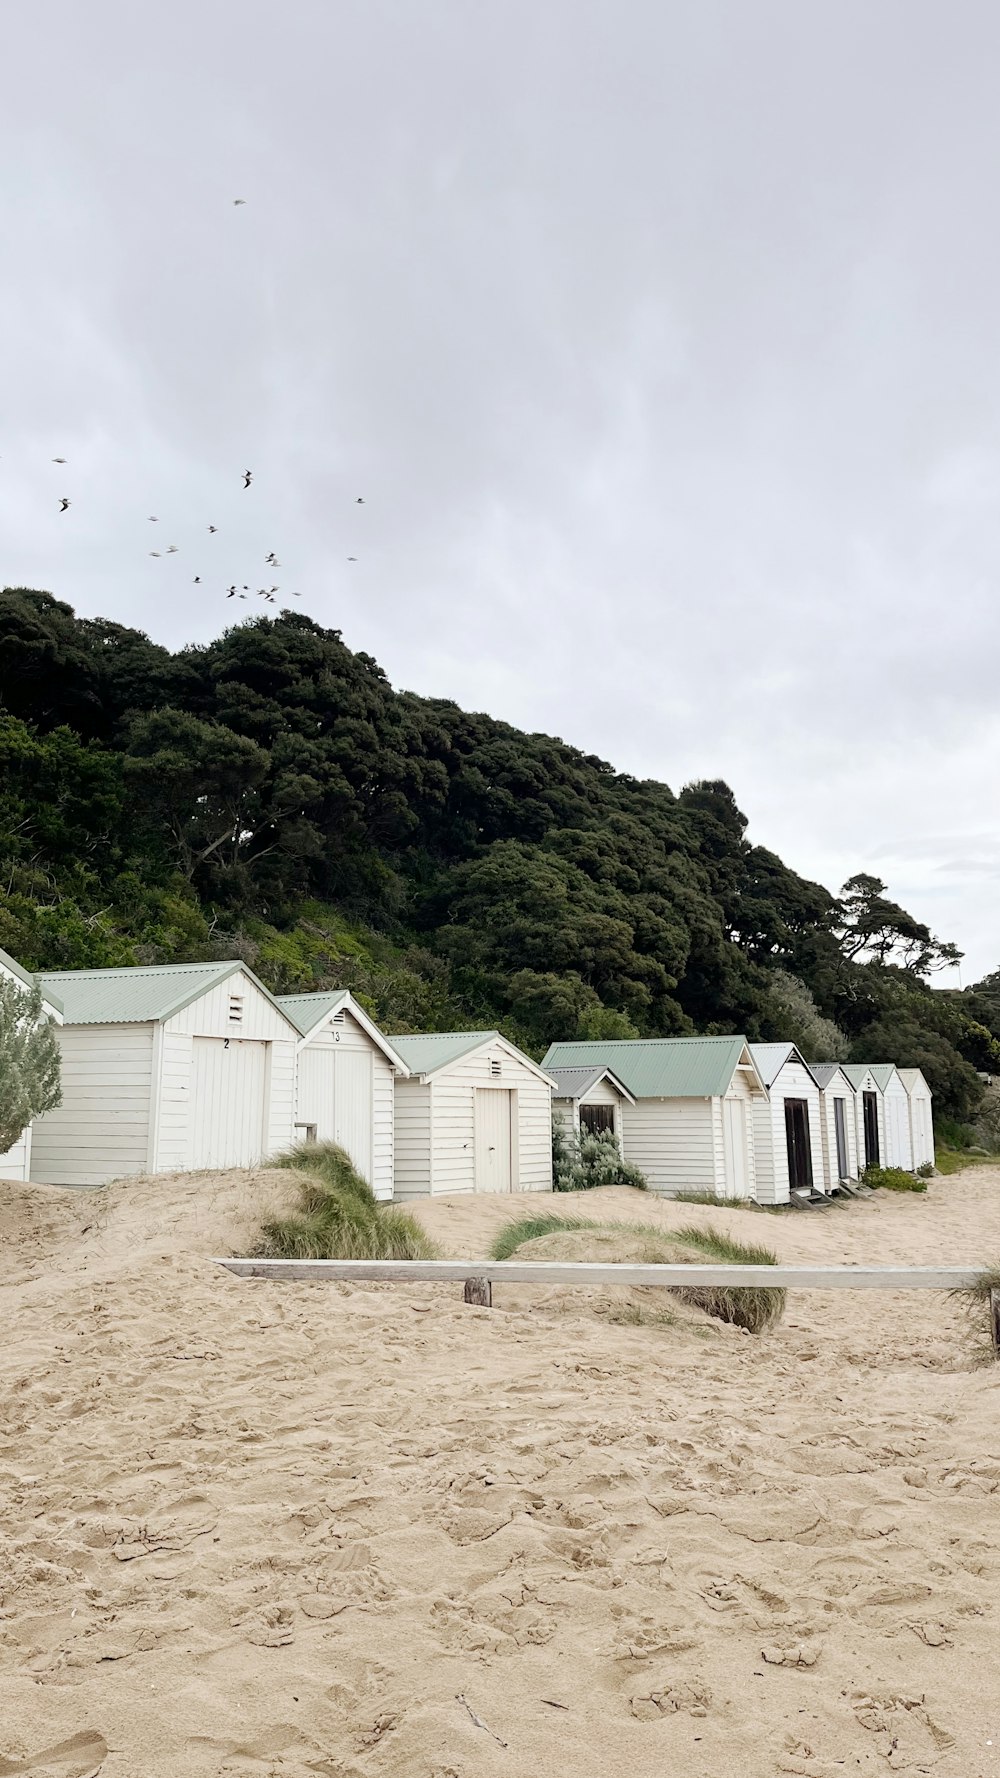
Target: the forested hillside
(271, 796)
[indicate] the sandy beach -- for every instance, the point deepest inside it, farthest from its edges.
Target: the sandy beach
(294, 1530)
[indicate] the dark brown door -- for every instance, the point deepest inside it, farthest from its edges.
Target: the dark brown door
(800, 1170)
(871, 1129)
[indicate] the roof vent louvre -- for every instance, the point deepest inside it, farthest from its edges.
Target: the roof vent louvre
(236, 1009)
(494, 1068)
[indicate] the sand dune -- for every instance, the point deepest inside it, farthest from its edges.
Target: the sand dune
(289, 1530)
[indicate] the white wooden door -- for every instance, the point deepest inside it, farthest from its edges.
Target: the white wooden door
(228, 1080)
(352, 1106)
(314, 1092)
(897, 1117)
(493, 1145)
(734, 1146)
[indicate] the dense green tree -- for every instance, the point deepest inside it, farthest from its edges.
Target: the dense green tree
(29, 1061)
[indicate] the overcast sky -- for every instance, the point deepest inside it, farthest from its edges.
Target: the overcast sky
(660, 339)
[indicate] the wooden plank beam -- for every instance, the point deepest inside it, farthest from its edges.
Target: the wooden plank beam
(509, 1271)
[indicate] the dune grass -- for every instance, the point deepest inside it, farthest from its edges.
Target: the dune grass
(748, 1307)
(892, 1179)
(339, 1216)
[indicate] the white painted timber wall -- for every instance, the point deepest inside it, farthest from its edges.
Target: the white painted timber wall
(839, 1088)
(16, 1162)
(101, 1130)
(735, 1140)
(899, 1147)
(921, 1124)
(412, 1139)
(869, 1085)
(792, 1081)
(320, 1098)
(676, 1143)
(436, 1137)
(172, 1148)
(603, 1093)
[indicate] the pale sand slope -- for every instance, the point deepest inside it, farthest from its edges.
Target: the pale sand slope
(275, 1530)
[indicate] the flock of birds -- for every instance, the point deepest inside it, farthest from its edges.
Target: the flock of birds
(270, 560)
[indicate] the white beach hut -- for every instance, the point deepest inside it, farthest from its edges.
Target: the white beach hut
(345, 1081)
(787, 1131)
(589, 1101)
(473, 1115)
(171, 1068)
(690, 1124)
(921, 1116)
(898, 1145)
(16, 1162)
(838, 1122)
(869, 1112)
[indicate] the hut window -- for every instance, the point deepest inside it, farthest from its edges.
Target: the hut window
(597, 1118)
(236, 1009)
(494, 1068)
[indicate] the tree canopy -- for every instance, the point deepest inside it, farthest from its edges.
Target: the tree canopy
(271, 796)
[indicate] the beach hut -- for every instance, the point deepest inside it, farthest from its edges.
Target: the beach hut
(16, 1162)
(788, 1137)
(344, 1084)
(838, 1122)
(869, 1113)
(473, 1115)
(898, 1146)
(921, 1117)
(690, 1124)
(589, 1101)
(171, 1068)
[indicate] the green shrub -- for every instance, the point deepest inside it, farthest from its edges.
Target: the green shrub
(749, 1307)
(339, 1216)
(951, 1134)
(892, 1179)
(29, 1061)
(926, 1171)
(582, 1162)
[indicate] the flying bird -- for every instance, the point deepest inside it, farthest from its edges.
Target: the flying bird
(275, 589)
(63, 505)
(359, 501)
(213, 527)
(352, 558)
(153, 520)
(231, 593)
(239, 200)
(171, 549)
(154, 552)
(247, 477)
(197, 580)
(58, 459)
(271, 559)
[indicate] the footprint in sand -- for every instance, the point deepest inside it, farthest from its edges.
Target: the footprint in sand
(80, 1757)
(693, 1697)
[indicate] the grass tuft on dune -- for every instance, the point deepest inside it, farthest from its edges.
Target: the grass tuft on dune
(630, 1243)
(339, 1216)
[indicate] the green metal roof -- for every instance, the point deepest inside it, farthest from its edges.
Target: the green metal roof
(26, 980)
(856, 1071)
(135, 996)
(427, 1051)
(306, 1010)
(883, 1072)
(659, 1067)
(771, 1058)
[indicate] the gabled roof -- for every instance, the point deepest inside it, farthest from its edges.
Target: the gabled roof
(856, 1072)
(771, 1058)
(823, 1073)
(883, 1072)
(308, 1012)
(427, 1052)
(662, 1067)
(576, 1083)
(138, 996)
(913, 1079)
(8, 964)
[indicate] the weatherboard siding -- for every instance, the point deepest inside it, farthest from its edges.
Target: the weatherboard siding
(15, 1164)
(868, 1084)
(315, 1091)
(209, 1015)
(839, 1088)
(279, 1115)
(412, 1139)
(101, 1129)
(677, 1143)
(792, 1081)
